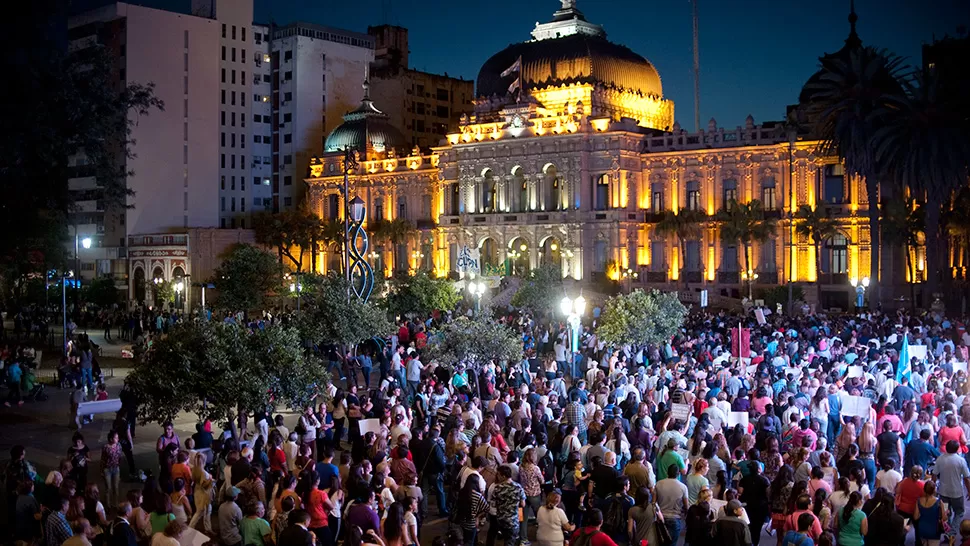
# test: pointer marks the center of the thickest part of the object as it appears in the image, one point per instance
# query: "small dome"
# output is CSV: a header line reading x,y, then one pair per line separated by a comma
x,y
576,58
367,130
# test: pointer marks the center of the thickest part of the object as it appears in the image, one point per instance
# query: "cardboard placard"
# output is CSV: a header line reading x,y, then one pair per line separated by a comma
x,y
370,425
738,418
680,412
760,315
855,371
959,366
918,352
855,406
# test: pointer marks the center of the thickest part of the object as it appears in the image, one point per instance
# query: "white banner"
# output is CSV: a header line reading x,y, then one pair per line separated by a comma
x,y
738,418
469,260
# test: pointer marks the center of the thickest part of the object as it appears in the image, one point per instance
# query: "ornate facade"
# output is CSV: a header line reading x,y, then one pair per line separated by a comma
x,y
557,172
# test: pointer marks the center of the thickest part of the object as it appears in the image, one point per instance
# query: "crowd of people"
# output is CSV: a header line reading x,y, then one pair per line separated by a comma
x,y
816,433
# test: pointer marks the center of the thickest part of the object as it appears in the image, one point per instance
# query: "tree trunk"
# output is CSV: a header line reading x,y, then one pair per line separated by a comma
x,y
313,256
912,278
818,260
875,284
932,266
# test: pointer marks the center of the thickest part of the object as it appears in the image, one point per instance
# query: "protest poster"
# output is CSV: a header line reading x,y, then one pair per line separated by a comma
x,y
855,406
918,352
738,418
680,412
855,371
370,425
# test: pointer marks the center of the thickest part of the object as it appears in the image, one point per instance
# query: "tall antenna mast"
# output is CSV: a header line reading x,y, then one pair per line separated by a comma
x,y
697,71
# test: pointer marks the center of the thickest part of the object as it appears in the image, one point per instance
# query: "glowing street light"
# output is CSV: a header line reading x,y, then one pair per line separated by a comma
x,y
860,290
574,310
477,289
750,276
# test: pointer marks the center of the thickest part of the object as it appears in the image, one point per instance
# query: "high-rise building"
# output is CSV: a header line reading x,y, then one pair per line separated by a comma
x,y
174,151
234,19
316,77
424,106
261,152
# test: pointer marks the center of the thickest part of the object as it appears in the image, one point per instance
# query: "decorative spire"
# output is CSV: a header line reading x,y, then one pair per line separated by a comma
x,y
366,84
853,40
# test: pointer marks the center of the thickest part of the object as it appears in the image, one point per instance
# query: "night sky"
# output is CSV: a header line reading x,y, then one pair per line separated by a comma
x,y
755,54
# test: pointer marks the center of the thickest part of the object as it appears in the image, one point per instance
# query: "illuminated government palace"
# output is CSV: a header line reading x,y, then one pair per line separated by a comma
x,y
569,158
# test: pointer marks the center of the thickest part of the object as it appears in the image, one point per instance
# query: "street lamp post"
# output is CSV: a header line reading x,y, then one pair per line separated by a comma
x,y
573,309
630,275
157,281
84,242
296,287
860,290
179,286
477,289
64,277
750,276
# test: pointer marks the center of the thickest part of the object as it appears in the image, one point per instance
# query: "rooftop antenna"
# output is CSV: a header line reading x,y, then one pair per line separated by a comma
x,y
697,70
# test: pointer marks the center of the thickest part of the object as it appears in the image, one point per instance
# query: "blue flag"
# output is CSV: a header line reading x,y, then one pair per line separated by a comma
x,y
903,369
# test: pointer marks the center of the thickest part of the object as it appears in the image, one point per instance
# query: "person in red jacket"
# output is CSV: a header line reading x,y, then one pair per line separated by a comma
x,y
590,534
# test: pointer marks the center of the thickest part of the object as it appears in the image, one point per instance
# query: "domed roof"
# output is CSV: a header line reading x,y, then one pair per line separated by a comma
x,y
366,129
852,43
576,58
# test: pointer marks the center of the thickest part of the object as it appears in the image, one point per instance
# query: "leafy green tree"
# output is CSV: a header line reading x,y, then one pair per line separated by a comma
x,y
420,294
214,369
246,277
292,233
816,225
641,317
164,292
102,292
686,225
332,314
542,290
474,342
58,104
744,224
844,105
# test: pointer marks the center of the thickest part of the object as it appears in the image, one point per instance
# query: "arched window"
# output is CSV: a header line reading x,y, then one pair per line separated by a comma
x,y
487,199
519,191
454,199
768,194
333,206
377,211
552,195
489,253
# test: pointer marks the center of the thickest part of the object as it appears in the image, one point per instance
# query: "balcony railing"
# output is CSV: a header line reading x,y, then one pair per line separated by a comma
x,y
694,276
656,276
728,277
768,277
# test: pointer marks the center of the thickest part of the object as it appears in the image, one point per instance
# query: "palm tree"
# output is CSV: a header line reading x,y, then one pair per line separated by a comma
x,y
815,225
686,225
924,144
745,223
844,104
956,223
902,225
394,232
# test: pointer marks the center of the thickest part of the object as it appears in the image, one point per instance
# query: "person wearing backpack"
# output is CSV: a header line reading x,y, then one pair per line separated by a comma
x,y
800,537
591,534
618,510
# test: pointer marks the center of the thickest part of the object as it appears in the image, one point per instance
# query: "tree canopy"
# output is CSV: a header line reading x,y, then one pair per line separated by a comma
x,y
329,316
542,290
641,317
474,342
214,369
421,294
246,277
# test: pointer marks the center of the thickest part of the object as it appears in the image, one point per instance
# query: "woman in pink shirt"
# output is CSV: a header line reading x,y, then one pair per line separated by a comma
x,y
760,401
891,417
818,482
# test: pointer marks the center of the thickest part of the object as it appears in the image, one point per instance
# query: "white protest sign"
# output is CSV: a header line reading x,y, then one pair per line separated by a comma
x,y
917,352
703,298
191,537
855,371
752,369
680,412
959,367
370,425
795,372
760,315
738,418
855,406
716,505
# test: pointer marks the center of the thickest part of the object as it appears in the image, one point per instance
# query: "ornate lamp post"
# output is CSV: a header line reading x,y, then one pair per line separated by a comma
x,y
750,276
360,273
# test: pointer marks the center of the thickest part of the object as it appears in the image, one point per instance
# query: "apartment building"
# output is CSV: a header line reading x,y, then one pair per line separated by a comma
x,y
316,77
424,106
